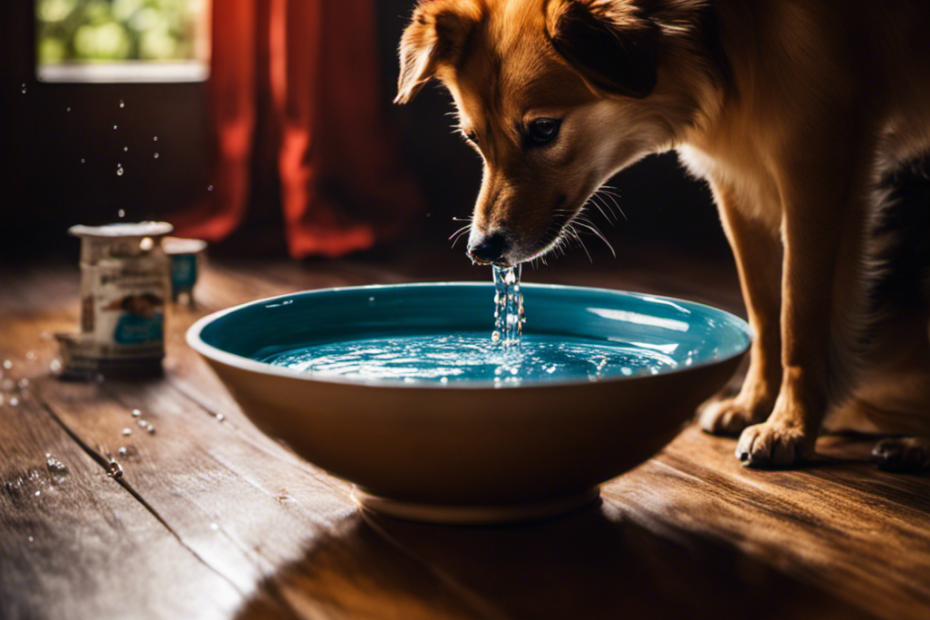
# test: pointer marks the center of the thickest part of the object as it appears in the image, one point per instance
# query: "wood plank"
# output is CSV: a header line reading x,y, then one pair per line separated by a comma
x,y
76,544
861,543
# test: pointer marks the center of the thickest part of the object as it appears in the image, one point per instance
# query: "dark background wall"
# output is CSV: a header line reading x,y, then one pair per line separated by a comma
x,y
46,187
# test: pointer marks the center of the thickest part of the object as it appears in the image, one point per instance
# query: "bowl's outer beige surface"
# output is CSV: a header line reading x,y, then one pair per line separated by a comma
x,y
475,446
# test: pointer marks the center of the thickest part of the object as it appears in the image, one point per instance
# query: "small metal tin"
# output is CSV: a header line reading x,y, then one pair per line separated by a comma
x,y
186,257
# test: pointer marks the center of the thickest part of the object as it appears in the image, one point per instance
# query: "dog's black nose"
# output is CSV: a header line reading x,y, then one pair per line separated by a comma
x,y
491,248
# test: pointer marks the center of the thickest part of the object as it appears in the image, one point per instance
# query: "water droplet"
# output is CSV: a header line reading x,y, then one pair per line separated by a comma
x,y
151,429
114,469
14,401
121,212
209,188
155,155
119,170
125,149
136,413
55,466
7,364
155,138
114,126
142,423
122,451
444,380
214,526
83,160
220,417
24,88
23,383
121,104
31,539
38,493
127,431
67,109
55,366
495,337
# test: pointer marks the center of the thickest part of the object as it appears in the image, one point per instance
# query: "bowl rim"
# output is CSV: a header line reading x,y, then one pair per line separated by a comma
x,y
194,340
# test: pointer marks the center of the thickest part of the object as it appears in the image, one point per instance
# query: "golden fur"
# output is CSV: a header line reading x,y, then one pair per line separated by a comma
x,y
792,110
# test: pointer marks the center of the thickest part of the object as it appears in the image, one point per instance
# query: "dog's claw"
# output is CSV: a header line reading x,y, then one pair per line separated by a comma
x,y
772,444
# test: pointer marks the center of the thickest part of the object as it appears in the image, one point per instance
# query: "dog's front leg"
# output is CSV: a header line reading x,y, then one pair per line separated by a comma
x,y
823,216
758,253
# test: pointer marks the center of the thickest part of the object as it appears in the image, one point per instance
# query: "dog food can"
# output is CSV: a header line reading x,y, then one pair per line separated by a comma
x,y
125,285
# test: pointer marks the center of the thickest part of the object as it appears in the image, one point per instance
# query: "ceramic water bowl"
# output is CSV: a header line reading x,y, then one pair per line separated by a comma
x,y
473,451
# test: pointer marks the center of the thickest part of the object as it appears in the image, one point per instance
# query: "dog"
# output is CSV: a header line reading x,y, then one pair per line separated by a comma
x,y
801,116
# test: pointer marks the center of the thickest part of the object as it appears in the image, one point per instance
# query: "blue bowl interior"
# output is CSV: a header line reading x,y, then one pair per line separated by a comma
x,y
684,332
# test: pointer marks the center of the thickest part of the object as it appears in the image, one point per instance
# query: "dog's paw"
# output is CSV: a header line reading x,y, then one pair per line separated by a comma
x,y
730,416
774,444
902,454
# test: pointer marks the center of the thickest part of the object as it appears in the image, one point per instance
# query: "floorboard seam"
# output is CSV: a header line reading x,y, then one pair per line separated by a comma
x,y
104,463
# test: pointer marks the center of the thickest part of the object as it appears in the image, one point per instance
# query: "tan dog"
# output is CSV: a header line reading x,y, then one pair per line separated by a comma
x,y
792,110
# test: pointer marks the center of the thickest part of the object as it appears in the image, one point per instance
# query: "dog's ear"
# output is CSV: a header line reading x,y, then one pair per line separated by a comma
x,y
610,43
434,38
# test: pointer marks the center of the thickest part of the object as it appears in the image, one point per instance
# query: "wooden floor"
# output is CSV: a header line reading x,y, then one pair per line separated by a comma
x,y
211,519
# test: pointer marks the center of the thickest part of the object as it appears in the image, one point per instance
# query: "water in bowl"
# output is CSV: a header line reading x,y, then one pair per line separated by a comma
x,y
472,357
507,358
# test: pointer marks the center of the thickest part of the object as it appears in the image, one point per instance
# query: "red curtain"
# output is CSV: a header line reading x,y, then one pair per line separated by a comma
x,y
343,187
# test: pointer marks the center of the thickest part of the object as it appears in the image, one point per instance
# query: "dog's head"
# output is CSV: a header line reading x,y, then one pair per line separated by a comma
x,y
555,95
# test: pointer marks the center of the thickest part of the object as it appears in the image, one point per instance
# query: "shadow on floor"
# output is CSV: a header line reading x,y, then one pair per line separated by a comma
x,y
593,563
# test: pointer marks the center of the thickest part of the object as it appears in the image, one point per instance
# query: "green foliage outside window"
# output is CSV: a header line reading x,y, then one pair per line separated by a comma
x,y
117,30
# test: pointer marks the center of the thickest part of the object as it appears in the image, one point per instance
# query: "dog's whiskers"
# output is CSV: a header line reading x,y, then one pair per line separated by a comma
x,y
458,234
573,233
589,226
606,191
597,201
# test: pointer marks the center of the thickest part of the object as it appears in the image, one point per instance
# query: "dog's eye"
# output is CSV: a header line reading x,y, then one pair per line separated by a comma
x,y
543,131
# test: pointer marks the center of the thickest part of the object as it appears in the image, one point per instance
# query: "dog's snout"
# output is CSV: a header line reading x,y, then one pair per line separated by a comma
x,y
489,249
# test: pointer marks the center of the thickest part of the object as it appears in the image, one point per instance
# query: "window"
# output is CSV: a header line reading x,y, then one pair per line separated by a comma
x,y
122,40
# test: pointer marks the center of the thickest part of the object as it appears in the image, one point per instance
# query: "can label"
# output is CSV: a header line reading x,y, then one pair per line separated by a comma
x,y
127,301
